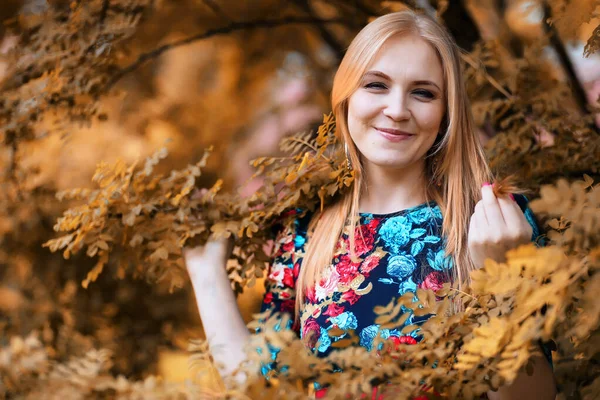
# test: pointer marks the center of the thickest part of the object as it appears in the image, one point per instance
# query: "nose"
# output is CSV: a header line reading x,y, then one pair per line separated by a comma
x,y
396,107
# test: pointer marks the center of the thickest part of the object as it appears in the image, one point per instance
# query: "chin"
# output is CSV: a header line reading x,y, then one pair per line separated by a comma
x,y
388,163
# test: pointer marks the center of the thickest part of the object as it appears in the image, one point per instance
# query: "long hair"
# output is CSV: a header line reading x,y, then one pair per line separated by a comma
x,y
461,166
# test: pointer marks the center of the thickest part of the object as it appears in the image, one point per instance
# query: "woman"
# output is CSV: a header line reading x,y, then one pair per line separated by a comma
x,y
403,117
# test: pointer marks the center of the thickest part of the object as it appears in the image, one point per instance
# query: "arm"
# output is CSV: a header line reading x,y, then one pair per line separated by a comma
x,y
225,329
280,296
498,225
223,324
540,385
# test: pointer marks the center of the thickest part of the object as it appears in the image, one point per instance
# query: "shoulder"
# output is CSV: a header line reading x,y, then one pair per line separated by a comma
x,y
291,228
537,235
522,201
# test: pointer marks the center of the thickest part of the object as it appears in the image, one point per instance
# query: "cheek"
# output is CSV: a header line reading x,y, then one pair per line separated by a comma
x,y
429,117
361,109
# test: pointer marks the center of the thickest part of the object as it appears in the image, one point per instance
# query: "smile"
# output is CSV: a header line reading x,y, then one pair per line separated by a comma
x,y
394,135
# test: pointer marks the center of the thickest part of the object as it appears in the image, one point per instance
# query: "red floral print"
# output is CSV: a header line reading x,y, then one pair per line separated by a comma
x,y
369,264
311,295
364,237
334,310
347,269
403,340
289,246
433,281
311,331
288,278
296,270
268,298
281,275
328,284
284,295
288,306
350,296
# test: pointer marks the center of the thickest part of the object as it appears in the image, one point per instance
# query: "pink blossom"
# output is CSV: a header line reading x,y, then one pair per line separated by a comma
x,y
369,264
327,284
347,269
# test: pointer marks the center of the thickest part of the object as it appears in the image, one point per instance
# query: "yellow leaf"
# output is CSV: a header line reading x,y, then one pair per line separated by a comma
x,y
159,254
96,271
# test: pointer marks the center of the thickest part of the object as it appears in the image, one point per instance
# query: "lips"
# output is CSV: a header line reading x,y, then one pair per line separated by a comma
x,y
394,135
394,131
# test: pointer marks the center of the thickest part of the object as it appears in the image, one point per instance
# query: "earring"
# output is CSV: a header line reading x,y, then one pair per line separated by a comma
x,y
348,160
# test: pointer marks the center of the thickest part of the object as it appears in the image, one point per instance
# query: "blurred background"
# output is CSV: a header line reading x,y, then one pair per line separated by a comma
x,y
241,91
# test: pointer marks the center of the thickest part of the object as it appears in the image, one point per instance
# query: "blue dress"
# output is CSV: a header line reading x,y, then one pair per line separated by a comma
x,y
396,254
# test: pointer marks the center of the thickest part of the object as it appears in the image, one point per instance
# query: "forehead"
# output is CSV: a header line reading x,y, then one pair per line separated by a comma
x,y
408,57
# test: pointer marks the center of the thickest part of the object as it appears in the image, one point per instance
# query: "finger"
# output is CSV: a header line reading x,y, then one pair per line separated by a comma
x,y
480,213
492,208
511,212
476,224
518,225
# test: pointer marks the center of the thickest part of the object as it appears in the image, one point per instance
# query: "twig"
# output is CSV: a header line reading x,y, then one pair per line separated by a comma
x,y
307,144
217,10
465,293
489,78
14,147
365,9
233,27
327,36
557,45
104,11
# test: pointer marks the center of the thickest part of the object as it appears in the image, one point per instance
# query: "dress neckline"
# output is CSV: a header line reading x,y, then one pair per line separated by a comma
x,y
430,203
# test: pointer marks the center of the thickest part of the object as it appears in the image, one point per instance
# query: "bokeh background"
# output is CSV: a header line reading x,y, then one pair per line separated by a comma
x,y
209,80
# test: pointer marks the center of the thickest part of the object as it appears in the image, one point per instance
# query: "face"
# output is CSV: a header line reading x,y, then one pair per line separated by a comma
x,y
395,114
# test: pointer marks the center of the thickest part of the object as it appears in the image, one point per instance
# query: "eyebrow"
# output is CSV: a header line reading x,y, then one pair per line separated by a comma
x,y
385,76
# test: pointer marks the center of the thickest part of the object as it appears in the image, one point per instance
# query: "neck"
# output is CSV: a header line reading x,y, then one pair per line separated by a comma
x,y
388,190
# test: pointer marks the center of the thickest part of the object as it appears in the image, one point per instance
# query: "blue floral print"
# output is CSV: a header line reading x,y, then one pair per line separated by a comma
x,y
407,286
438,260
420,216
299,241
398,253
367,335
401,266
395,232
324,340
345,321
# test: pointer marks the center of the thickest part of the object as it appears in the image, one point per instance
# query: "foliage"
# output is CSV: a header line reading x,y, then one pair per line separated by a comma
x,y
154,216
85,61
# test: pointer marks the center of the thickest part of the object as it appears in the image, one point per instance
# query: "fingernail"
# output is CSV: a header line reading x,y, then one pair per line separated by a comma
x,y
487,184
511,196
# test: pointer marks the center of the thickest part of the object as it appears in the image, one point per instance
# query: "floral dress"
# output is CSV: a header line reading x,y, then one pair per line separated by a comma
x,y
396,253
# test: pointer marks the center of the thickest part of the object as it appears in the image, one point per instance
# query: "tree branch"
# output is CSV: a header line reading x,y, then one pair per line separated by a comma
x,y
104,11
469,60
233,27
567,65
365,9
217,10
326,35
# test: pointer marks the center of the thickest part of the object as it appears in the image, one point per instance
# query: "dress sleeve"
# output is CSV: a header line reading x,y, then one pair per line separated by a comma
x,y
537,236
540,240
280,295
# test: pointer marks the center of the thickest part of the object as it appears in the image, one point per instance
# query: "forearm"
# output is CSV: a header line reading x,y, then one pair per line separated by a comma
x,y
540,385
223,324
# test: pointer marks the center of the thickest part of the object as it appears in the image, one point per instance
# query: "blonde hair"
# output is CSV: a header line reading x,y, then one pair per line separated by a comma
x,y
461,166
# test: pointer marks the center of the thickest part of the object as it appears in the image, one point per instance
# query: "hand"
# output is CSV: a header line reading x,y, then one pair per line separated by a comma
x,y
205,262
496,226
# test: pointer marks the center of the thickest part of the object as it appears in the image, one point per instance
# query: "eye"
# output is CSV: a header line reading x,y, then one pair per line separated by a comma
x,y
424,93
375,85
